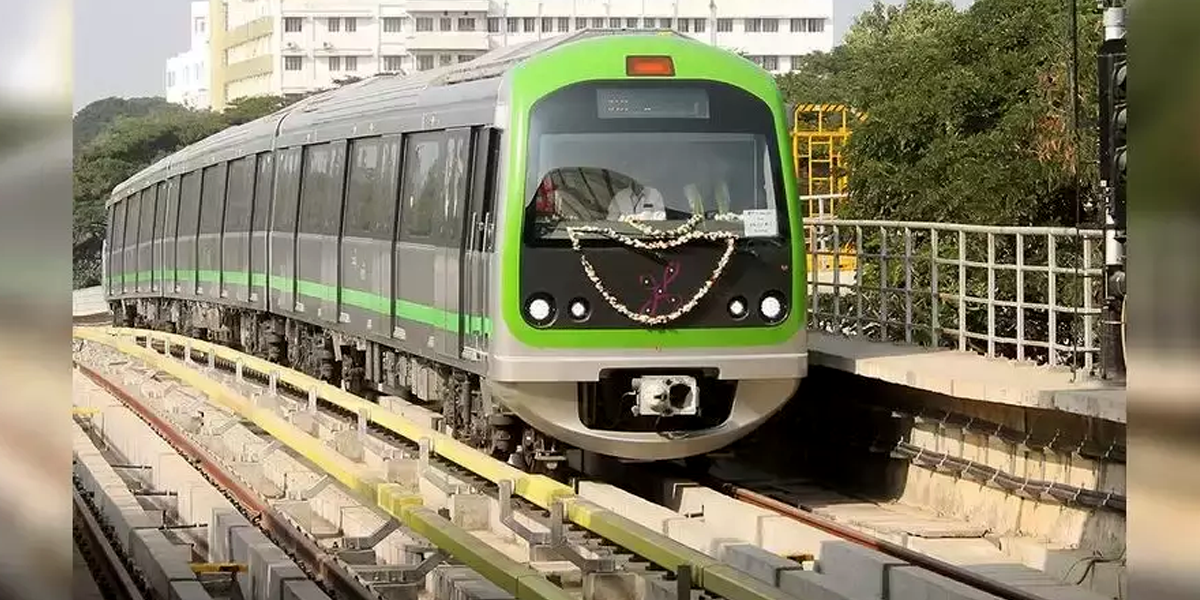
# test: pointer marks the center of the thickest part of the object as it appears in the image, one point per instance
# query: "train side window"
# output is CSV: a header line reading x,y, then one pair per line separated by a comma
x,y
112,229
458,155
319,199
131,223
262,190
160,211
239,195
118,244
146,228
361,185
287,199
483,180
424,183
212,207
189,204
171,231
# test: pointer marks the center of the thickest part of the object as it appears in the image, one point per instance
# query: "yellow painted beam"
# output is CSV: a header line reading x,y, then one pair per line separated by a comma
x,y
707,572
218,567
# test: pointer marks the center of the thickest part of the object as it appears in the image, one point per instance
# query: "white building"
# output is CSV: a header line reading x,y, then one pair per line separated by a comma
x,y
294,46
188,75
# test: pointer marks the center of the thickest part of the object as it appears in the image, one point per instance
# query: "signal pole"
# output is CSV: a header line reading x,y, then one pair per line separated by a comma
x,y
1112,62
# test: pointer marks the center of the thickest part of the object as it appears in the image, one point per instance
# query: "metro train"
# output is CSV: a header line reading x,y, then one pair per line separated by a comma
x,y
587,242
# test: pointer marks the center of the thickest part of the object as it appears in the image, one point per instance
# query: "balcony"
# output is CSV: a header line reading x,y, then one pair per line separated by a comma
x,y
448,40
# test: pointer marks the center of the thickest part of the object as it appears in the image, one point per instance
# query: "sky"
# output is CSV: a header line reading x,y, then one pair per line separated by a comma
x,y
121,46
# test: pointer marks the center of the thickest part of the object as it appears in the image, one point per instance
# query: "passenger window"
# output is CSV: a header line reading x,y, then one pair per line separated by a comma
x,y
288,194
457,176
371,191
424,183
213,205
172,227
131,220
119,235
238,201
263,184
160,210
320,202
189,204
146,228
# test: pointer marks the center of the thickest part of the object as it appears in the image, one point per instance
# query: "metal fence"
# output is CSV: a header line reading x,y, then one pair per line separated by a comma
x,y
1026,293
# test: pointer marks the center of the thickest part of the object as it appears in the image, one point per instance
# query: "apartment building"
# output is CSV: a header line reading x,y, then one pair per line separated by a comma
x,y
187,73
294,46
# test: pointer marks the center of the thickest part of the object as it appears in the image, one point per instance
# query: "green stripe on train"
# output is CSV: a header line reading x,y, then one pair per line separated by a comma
x,y
603,58
411,311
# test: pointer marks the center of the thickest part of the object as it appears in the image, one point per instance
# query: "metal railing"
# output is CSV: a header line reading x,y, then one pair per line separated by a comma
x,y
1026,293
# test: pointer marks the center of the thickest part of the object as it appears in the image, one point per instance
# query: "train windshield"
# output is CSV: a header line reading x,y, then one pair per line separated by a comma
x,y
659,153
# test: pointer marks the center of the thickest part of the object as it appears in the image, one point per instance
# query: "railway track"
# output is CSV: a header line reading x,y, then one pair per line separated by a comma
x,y
104,562
571,523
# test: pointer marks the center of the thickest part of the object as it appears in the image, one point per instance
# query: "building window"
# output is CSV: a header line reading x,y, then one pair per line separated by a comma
x,y
598,22
770,63
564,24
393,64
425,62
334,24
462,58
664,23
808,25
548,24
335,63
493,25
445,24
614,22
198,27
512,24
466,23
580,23
351,24
685,25
529,24
700,25
351,63
647,23
724,25
753,25
445,60
796,60
424,23
293,24
393,24
631,23
770,25
293,63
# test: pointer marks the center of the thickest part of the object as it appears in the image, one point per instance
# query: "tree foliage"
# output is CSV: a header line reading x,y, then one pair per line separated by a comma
x,y
969,114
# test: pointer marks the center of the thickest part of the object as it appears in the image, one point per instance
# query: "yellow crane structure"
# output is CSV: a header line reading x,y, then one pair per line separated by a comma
x,y
819,134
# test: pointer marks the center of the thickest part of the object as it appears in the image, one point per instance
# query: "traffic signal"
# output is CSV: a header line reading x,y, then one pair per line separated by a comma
x,y
1113,62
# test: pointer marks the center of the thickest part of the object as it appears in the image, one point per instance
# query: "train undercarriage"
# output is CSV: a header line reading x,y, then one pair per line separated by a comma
x,y
360,366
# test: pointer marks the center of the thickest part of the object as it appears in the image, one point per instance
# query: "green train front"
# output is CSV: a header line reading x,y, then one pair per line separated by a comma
x,y
650,289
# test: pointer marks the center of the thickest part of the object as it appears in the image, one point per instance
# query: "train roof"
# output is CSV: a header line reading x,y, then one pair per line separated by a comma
x,y
374,93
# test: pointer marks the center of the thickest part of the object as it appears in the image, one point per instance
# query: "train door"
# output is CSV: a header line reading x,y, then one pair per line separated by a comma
x,y
156,247
321,187
477,246
448,253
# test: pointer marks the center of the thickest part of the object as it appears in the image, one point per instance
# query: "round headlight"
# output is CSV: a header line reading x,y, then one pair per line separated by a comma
x,y
771,307
738,307
540,309
579,309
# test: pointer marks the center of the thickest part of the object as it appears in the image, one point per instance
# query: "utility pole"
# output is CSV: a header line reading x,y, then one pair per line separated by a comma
x,y
1112,62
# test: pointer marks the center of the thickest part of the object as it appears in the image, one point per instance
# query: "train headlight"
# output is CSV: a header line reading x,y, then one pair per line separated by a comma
x,y
738,307
772,307
579,309
540,309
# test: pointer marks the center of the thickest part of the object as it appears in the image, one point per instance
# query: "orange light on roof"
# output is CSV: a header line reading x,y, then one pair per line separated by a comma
x,y
649,66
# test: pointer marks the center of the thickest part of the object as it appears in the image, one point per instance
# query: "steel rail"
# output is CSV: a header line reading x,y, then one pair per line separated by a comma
x,y
258,512
706,572
943,568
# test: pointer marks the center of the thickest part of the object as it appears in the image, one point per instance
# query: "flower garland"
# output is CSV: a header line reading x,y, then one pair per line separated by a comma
x,y
660,240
